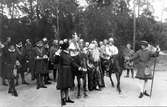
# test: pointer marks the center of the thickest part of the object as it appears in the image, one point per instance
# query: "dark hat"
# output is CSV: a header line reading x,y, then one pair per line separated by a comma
x,y
64,46
39,44
20,44
145,43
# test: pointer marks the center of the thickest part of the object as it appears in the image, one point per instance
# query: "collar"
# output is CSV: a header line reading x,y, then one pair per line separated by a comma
x,y
11,50
66,51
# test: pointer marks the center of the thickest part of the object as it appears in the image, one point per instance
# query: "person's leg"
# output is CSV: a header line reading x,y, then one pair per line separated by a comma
x,y
14,89
127,74
67,96
141,86
23,77
10,87
54,74
38,80
145,88
42,80
63,99
132,73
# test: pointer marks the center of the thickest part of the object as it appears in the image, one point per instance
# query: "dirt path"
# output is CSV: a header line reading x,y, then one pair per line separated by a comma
x,y
29,96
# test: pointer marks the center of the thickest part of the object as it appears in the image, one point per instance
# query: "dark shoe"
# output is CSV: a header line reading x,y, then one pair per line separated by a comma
x,y
15,93
141,95
85,94
17,83
43,86
38,87
9,91
69,101
49,79
63,102
145,93
26,83
4,83
127,76
48,83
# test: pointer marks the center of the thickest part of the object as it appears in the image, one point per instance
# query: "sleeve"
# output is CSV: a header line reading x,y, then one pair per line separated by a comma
x,y
115,51
75,65
135,56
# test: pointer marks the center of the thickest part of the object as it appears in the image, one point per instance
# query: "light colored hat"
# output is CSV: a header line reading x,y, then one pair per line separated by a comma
x,y
39,44
111,39
45,39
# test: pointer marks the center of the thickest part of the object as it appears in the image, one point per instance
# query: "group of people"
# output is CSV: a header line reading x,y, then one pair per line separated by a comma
x,y
66,59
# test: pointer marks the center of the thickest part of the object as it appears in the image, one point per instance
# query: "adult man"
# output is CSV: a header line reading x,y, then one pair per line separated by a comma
x,y
29,58
74,50
1,52
54,48
40,59
5,51
21,57
143,65
46,64
10,66
111,49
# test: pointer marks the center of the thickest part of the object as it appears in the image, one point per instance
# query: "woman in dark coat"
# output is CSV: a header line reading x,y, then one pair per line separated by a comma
x,y
65,75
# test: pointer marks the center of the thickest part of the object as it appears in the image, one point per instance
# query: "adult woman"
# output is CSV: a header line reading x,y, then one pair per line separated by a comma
x,y
143,65
65,75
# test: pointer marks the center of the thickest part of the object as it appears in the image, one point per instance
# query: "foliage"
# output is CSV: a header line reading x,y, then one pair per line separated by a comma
x,y
61,18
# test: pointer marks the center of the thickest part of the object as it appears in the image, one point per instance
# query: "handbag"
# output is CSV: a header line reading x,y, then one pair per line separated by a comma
x,y
148,71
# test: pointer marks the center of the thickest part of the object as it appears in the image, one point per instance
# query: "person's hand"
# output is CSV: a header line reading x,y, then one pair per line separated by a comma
x,y
80,68
158,48
18,63
37,57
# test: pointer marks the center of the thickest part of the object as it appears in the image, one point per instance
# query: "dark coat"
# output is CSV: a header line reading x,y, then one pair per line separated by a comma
x,y
144,60
9,63
41,64
1,52
127,54
22,59
65,74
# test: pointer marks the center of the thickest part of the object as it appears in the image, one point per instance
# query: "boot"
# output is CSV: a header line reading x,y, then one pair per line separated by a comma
x,y
24,82
63,102
145,93
15,93
47,82
4,83
43,86
38,87
69,100
141,95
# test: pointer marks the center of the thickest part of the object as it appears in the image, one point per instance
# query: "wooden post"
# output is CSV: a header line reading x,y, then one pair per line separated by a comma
x,y
134,26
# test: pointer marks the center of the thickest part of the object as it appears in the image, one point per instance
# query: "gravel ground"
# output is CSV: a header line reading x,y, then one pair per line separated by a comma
x,y
29,96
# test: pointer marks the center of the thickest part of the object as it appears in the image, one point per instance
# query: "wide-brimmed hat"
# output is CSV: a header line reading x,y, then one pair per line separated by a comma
x,y
111,39
39,44
20,44
145,43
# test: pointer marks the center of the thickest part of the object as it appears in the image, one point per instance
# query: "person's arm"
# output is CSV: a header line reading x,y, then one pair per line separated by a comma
x,y
134,56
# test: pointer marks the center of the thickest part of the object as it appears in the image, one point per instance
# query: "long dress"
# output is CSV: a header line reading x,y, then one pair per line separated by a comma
x,y
65,74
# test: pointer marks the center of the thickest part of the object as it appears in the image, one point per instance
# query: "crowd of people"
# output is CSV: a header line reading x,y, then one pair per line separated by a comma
x,y
62,60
